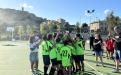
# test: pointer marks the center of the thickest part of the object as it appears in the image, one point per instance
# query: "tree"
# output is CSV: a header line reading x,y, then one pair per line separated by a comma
x,y
84,25
77,24
43,28
67,26
84,28
77,27
112,21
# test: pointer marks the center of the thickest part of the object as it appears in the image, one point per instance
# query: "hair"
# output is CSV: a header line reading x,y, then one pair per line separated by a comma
x,y
49,37
99,36
78,35
58,40
65,42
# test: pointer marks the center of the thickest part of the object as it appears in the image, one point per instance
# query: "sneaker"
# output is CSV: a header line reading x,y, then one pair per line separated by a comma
x,y
33,73
97,64
115,70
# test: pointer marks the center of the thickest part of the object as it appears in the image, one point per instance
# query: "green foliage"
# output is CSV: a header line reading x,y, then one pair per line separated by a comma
x,y
112,21
84,28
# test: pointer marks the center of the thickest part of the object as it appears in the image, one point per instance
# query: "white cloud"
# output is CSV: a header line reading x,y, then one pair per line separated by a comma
x,y
25,5
107,11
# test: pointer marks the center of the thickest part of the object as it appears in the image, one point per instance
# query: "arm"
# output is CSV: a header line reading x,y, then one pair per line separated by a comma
x,y
97,43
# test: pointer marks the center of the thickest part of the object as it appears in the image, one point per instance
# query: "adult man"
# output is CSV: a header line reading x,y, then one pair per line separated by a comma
x,y
91,43
34,41
117,47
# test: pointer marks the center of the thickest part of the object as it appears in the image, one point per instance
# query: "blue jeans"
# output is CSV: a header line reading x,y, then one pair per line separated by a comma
x,y
117,54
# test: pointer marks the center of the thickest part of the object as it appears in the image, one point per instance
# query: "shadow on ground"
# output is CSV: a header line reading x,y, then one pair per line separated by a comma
x,y
9,45
89,73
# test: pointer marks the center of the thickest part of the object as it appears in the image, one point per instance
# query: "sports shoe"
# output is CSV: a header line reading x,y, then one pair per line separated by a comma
x,y
115,70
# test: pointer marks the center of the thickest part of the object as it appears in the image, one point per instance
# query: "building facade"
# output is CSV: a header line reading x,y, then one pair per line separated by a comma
x,y
98,25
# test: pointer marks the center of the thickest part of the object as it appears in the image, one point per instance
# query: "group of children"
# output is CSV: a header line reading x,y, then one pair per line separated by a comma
x,y
66,54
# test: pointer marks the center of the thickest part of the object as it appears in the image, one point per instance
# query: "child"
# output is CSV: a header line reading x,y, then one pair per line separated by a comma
x,y
109,47
79,46
98,48
53,57
59,59
46,46
66,58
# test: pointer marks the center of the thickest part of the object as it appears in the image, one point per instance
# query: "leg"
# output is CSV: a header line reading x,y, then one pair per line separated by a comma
x,y
52,71
36,66
32,66
46,61
53,67
96,60
69,71
107,53
117,64
45,69
96,57
60,71
82,63
101,60
64,71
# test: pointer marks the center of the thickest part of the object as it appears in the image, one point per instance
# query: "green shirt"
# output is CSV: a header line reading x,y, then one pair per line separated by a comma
x,y
73,50
66,56
79,48
53,53
49,44
59,45
44,48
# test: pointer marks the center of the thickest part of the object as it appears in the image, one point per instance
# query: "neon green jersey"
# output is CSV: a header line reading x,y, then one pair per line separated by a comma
x,y
53,53
44,48
79,48
66,56
73,51
59,46
49,44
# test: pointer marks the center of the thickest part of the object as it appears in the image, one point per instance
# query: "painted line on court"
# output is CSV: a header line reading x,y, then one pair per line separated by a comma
x,y
94,69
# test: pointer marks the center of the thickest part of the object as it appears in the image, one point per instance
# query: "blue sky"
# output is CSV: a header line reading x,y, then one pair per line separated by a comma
x,y
70,10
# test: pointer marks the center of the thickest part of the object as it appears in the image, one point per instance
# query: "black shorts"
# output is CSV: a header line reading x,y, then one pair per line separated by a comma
x,y
79,58
59,62
46,59
74,57
54,62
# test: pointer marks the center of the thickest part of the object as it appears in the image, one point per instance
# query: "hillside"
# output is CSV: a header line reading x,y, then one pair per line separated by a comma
x,y
18,17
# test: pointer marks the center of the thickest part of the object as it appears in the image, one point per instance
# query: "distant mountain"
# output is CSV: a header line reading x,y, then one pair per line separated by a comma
x,y
18,17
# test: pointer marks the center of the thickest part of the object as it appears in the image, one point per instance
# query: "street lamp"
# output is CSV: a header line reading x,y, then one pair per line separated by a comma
x,y
89,13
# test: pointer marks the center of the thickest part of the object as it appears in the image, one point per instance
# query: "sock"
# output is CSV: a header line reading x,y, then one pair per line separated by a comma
x,y
45,70
52,71
60,72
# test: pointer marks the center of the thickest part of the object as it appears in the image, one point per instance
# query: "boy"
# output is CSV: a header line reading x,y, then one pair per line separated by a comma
x,y
66,58
59,59
79,46
46,47
53,57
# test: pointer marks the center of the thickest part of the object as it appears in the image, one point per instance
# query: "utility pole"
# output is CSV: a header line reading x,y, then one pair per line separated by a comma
x,y
90,12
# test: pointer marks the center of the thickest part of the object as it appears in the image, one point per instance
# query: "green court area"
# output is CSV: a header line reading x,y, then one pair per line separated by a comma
x,y
14,60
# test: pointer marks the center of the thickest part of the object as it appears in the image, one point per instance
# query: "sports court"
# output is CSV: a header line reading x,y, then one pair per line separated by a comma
x,y
14,60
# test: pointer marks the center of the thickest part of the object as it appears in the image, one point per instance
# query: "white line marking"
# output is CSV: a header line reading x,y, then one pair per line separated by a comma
x,y
94,69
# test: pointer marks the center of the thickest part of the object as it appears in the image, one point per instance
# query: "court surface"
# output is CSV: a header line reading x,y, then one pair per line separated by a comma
x,y
14,60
